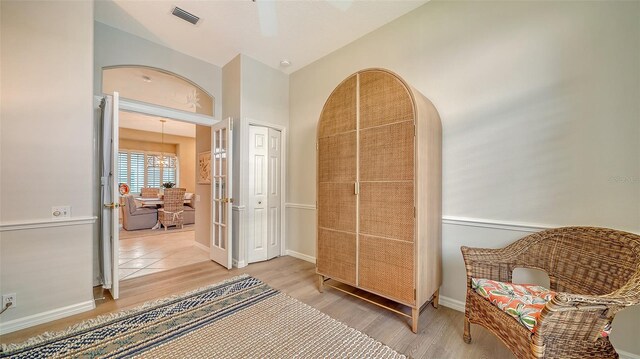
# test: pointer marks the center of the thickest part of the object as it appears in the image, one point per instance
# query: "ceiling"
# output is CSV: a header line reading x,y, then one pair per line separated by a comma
x,y
138,121
301,31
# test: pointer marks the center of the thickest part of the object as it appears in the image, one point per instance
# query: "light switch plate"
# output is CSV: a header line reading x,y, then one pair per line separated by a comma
x,y
197,198
59,212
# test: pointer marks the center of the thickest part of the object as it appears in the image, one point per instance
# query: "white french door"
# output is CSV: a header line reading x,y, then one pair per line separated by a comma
x,y
110,195
263,205
221,160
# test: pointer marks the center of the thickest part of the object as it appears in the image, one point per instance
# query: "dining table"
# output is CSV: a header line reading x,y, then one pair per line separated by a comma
x,y
153,202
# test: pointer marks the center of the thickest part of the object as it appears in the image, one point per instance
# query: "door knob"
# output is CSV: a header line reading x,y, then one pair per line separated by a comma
x,y
259,202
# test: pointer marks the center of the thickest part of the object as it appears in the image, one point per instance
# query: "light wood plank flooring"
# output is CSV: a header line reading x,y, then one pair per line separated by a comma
x,y
440,334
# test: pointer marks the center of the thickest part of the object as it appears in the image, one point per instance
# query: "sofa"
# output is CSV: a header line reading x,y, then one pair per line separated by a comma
x,y
189,214
134,217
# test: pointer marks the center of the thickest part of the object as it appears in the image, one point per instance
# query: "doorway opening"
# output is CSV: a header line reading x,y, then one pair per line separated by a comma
x,y
156,153
132,166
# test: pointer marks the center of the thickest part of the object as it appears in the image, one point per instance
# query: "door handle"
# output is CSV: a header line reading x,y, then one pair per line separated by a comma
x,y
112,205
227,200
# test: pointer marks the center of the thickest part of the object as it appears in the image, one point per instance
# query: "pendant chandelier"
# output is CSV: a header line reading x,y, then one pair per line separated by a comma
x,y
163,160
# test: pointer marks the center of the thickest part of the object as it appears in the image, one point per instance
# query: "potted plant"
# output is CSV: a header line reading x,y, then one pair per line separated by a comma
x,y
168,185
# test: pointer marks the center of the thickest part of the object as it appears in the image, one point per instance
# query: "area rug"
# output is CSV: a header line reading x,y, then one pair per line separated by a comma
x,y
239,318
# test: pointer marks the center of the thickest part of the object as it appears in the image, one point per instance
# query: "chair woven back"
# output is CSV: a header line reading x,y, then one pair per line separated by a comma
x,y
149,192
582,260
174,199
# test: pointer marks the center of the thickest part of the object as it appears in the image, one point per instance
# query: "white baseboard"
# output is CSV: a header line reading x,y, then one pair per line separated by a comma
x,y
240,264
30,321
298,255
201,246
627,355
451,303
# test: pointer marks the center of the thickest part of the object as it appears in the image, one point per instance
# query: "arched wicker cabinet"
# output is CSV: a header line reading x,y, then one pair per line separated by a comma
x,y
379,186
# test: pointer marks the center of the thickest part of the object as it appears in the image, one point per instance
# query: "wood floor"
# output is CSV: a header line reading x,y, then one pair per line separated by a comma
x,y
440,330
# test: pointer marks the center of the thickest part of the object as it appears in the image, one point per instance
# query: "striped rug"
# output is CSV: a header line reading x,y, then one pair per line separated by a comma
x,y
239,318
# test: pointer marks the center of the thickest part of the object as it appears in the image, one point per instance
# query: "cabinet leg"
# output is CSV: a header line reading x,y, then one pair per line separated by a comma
x,y
320,283
436,298
415,313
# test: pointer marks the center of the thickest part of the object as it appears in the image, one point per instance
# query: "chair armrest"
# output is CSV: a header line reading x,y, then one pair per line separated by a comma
x,y
494,264
577,316
565,301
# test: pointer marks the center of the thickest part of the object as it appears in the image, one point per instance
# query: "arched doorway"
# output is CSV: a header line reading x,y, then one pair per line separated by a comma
x,y
156,89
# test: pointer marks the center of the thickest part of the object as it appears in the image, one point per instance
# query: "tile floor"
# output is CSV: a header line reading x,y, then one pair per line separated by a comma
x,y
154,253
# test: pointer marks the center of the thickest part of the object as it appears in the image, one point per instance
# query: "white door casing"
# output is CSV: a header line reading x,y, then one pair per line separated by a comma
x,y
263,204
221,190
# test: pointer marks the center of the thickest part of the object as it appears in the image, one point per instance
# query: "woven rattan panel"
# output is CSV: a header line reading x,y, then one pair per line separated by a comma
x,y
337,158
386,267
337,255
386,209
383,99
339,112
575,267
391,161
337,206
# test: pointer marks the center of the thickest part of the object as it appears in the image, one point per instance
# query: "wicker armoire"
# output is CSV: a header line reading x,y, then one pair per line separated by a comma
x,y
379,181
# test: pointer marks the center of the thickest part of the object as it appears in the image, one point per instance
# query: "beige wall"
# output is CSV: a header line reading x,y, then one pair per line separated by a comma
x,y
540,119
203,191
183,147
46,156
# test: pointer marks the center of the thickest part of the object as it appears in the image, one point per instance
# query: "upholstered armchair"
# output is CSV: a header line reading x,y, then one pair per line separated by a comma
x,y
594,273
189,208
172,212
134,217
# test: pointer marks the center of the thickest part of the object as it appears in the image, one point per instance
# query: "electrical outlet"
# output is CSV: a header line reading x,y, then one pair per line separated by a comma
x,y
9,298
58,212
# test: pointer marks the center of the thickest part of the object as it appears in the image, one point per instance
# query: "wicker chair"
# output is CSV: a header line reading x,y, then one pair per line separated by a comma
x,y
595,272
172,212
149,192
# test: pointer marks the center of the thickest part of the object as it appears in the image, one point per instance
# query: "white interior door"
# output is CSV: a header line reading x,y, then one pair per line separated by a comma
x,y
273,201
221,160
257,215
110,196
263,205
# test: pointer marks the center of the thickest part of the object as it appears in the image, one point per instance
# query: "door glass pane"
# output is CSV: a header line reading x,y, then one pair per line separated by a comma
x,y
216,235
223,213
223,139
223,186
223,163
223,237
216,191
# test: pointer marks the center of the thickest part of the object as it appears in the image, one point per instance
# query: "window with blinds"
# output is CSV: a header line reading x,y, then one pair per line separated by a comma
x,y
141,169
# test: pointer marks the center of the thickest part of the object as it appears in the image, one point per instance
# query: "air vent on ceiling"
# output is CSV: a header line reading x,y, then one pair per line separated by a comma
x,y
184,15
